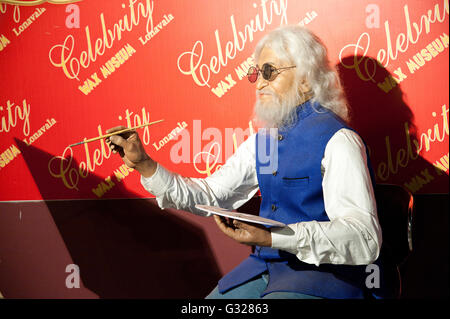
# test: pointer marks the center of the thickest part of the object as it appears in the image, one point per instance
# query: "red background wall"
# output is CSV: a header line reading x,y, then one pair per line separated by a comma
x,y
79,205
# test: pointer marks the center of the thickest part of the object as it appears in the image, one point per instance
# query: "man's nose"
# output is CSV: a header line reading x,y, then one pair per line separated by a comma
x,y
261,83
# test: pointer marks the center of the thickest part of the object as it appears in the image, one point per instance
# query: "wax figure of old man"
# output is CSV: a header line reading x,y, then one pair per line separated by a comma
x,y
318,181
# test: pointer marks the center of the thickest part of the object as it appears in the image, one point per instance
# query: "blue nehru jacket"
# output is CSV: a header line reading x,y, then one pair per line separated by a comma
x,y
291,192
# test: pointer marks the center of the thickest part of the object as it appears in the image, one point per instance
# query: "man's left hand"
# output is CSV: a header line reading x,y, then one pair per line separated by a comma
x,y
245,233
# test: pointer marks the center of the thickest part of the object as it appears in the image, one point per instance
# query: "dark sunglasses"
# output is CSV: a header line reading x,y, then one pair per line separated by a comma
x,y
268,71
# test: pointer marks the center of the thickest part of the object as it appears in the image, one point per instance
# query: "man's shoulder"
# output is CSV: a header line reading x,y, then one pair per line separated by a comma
x,y
346,139
247,146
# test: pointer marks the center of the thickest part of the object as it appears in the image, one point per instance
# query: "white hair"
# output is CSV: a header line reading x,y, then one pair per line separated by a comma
x,y
300,47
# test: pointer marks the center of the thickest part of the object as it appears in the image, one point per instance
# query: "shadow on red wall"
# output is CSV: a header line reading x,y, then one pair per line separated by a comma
x,y
381,115
124,248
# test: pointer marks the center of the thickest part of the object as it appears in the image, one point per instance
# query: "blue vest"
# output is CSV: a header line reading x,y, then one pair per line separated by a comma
x,y
291,192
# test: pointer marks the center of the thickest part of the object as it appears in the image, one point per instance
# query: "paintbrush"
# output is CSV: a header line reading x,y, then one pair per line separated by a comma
x,y
115,133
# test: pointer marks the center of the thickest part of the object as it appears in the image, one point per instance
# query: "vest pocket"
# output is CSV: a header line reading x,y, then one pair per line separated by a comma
x,y
299,182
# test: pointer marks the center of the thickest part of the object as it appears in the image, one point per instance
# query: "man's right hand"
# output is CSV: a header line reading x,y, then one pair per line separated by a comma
x,y
130,148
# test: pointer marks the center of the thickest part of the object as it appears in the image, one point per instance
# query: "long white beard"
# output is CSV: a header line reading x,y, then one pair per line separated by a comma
x,y
279,111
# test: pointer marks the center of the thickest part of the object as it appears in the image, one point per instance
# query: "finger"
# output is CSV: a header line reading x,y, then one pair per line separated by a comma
x,y
115,129
130,135
222,226
228,221
111,146
219,221
118,140
247,226
116,149
242,225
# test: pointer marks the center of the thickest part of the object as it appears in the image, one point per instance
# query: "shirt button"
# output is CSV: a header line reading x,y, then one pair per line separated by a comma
x,y
274,207
274,173
280,137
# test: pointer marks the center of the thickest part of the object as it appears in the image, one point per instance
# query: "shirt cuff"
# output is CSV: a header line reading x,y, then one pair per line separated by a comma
x,y
285,238
158,183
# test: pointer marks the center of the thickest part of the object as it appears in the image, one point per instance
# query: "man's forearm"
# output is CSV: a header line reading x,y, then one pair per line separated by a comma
x,y
341,241
146,168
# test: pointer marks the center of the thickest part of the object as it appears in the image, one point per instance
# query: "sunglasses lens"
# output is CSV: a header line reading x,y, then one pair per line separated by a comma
x,y
252,74
267,71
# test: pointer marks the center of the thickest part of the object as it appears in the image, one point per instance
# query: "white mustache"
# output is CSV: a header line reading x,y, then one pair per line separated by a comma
x,y
266,91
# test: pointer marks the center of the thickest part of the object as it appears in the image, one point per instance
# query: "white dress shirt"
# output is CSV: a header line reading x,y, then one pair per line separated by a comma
x,y
353,234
